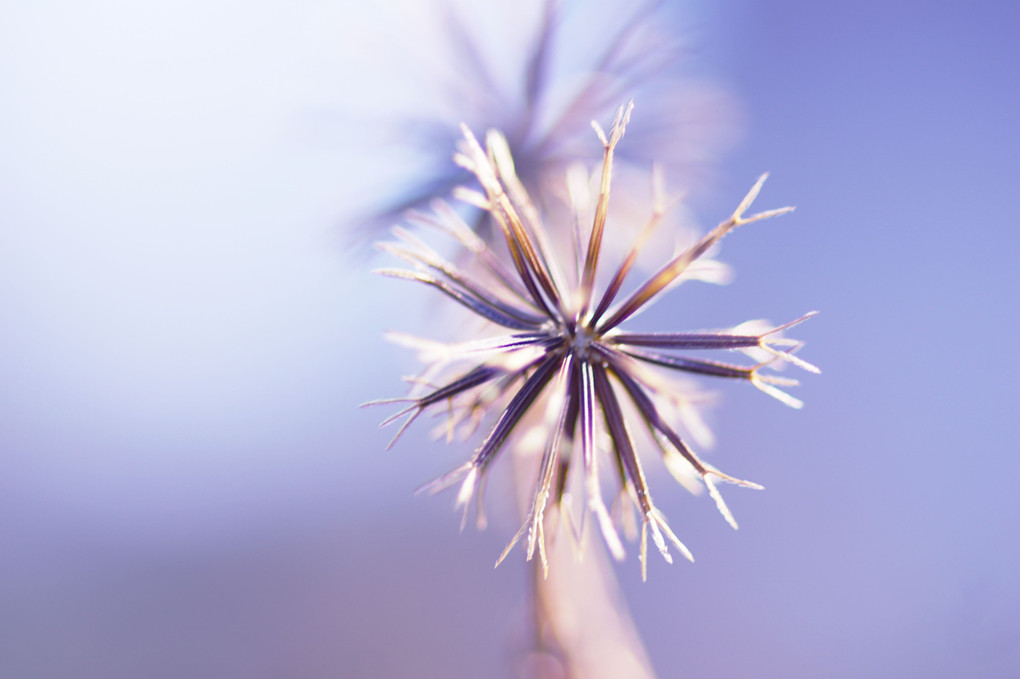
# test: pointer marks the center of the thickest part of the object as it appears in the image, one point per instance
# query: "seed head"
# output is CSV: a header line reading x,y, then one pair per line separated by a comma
x,y
560,351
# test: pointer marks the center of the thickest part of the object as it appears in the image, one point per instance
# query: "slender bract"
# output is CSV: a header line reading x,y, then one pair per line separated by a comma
x,y
559,360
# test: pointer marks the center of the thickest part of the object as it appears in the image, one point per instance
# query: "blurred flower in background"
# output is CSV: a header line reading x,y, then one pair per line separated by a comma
x,y
541,71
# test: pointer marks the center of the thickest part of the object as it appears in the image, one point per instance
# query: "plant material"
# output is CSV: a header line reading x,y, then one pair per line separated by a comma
x,y
544,96
561,351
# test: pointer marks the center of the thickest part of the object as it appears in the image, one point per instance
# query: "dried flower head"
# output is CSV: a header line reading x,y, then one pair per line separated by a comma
x,y
561,352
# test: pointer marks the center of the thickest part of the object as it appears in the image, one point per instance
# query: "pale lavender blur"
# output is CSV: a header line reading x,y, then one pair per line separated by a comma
x,y
187,488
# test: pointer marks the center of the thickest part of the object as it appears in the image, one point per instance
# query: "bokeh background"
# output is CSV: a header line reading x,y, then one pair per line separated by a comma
x,y
188,489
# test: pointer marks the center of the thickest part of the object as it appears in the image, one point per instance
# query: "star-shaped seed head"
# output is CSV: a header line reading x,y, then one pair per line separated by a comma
x,y
559,360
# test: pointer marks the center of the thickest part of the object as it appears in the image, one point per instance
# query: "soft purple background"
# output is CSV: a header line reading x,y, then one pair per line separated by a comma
x,y
187,489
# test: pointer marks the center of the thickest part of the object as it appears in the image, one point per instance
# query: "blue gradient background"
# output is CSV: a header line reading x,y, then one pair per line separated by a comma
x,y
187,488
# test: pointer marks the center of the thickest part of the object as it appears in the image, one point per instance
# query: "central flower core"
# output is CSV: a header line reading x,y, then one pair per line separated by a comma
x,y
580,339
